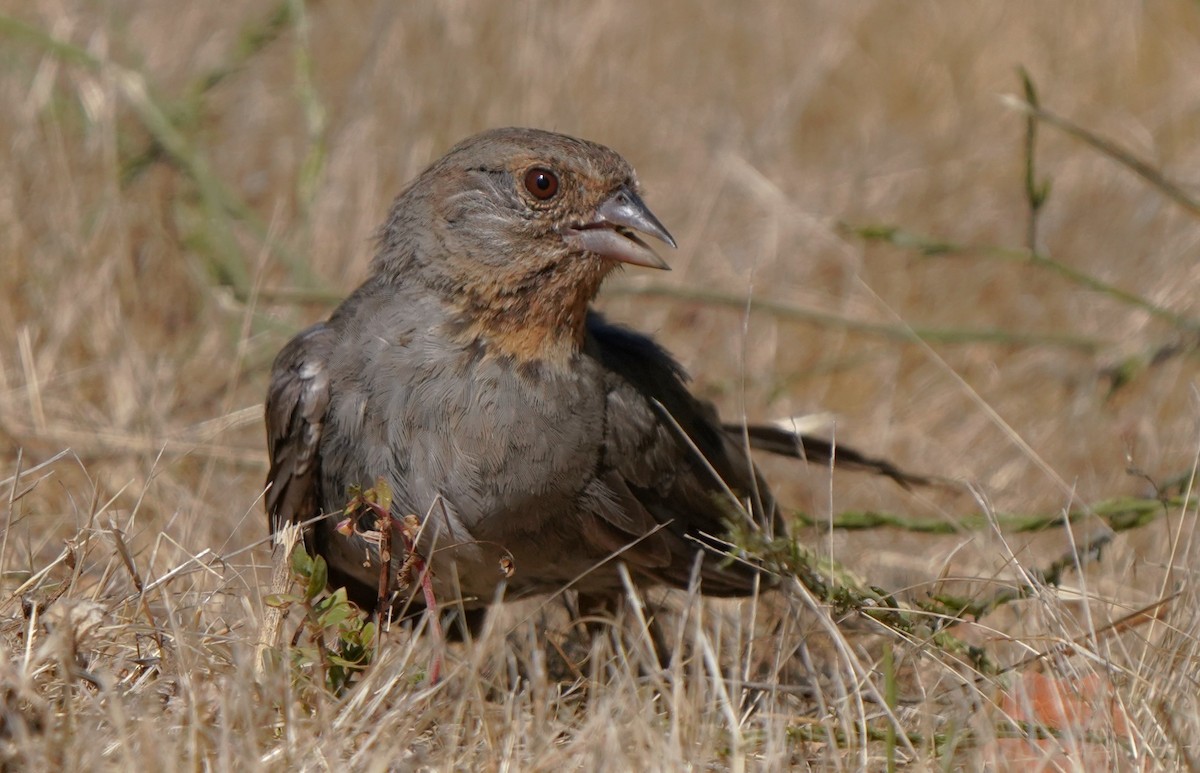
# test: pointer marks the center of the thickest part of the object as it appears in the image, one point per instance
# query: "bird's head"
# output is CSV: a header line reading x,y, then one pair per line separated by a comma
x,y
520,227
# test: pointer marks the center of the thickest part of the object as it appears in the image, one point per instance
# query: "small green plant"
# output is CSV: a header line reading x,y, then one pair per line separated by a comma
x,y
340,638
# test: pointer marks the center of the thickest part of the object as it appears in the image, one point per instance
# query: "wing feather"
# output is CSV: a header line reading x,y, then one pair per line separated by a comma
x,y
681,469
297,400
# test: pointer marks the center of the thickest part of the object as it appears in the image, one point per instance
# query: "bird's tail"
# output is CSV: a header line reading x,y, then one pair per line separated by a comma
x,y
776,440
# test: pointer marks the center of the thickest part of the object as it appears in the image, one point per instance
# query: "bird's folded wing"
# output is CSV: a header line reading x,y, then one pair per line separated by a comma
x,y
619,523
674,458
295,412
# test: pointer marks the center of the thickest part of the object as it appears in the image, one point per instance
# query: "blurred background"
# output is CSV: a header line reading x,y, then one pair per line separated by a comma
x,y
185,185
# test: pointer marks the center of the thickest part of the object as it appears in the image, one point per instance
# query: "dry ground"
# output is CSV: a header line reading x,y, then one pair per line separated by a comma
x,y
184,183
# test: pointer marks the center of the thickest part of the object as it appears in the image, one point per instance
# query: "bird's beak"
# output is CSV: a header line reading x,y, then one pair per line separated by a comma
x,y
613,231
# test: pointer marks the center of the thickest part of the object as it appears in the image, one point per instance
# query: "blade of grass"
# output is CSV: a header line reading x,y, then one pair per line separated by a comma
x,y
1036,193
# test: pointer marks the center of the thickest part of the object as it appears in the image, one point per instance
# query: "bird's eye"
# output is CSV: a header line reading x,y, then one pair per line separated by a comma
x,y
541,182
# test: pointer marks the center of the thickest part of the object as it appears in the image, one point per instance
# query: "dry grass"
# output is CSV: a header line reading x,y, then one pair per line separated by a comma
x,y
152,226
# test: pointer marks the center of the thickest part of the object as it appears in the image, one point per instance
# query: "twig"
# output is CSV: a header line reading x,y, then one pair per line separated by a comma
x,y
930,246
891,332
1109,148
1121,513
378,500
958,607
832,584
383,602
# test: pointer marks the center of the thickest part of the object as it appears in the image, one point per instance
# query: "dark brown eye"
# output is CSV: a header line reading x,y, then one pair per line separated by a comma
x,y
541,182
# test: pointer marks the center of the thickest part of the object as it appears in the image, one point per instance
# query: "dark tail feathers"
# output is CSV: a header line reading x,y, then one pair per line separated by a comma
x,y
820,451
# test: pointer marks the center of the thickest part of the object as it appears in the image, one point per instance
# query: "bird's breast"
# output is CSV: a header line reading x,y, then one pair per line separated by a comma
x,y
489,435
496,453
529,435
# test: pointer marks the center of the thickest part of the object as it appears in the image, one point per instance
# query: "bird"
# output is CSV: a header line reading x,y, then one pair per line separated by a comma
x,y
538,445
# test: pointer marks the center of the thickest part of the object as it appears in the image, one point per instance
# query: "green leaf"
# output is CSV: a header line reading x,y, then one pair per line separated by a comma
x,y
317,579
281,600
335,615
333,599
301,562
338,660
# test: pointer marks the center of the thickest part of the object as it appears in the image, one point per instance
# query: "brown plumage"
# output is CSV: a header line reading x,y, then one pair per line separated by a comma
x,y
470,374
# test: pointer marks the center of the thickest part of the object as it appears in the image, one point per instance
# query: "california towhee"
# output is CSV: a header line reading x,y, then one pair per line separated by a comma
x,y
469,373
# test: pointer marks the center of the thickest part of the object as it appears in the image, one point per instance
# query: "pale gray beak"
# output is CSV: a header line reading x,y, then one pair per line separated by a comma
x,y
613,232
